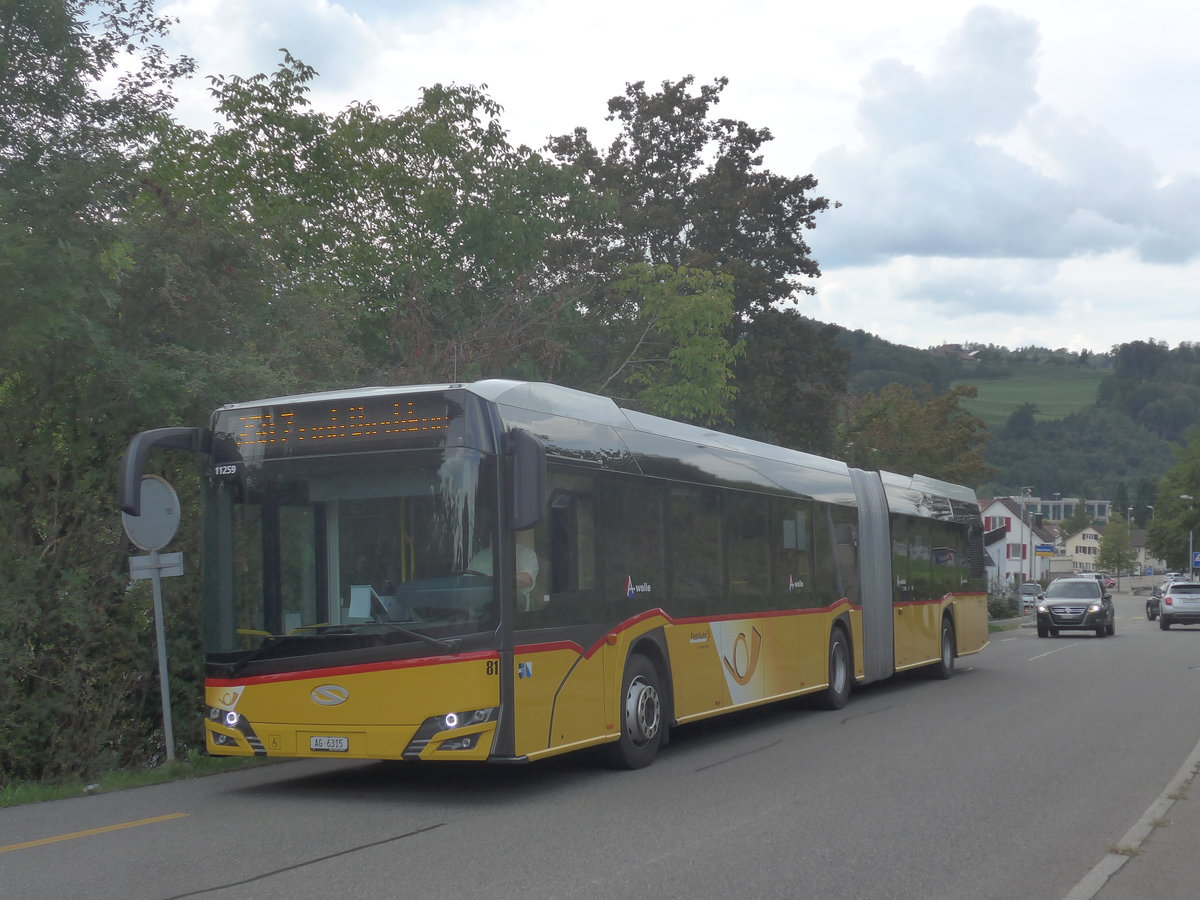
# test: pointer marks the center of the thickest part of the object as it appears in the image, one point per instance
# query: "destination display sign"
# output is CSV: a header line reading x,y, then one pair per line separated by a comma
x,y
360,423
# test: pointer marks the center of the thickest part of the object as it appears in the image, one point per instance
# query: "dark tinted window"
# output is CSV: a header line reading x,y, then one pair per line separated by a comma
x,y
695,543
1073,590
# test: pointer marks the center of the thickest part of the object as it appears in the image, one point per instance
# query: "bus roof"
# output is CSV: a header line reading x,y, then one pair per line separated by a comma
x,y
557,400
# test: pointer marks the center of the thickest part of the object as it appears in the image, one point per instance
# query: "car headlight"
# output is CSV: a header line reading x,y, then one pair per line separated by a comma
x,y
1095,607
1042,608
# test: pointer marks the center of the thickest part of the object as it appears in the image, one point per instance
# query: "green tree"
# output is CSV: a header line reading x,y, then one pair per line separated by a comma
x,y
126,309
679,364
677,187
1116,553
1086,454
427,224
791,381
1120,499
1021,422
1144,499
691,191
1176,520
73,664
897,430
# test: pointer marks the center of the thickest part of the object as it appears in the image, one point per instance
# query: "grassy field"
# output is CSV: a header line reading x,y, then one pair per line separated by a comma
x,y
1055,390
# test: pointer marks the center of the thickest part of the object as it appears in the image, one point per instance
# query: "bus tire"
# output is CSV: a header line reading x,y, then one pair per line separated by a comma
x,y
641,716
944,667
841,677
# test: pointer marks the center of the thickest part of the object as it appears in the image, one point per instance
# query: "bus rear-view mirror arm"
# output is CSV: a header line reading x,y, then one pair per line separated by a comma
x,y
129,488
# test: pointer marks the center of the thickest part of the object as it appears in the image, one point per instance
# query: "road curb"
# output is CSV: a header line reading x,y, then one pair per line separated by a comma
x,y
1129,845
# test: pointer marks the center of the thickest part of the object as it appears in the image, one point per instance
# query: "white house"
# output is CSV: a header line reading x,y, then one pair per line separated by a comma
x,y
1083,547
1146,561
1015,558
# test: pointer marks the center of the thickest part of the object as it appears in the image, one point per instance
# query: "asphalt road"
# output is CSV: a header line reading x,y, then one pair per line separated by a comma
x,y
1012,779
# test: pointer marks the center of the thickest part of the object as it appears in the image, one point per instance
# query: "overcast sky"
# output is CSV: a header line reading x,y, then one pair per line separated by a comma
x,y
1019,173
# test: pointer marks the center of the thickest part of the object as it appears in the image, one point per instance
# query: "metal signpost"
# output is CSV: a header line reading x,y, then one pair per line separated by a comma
x,y
151,531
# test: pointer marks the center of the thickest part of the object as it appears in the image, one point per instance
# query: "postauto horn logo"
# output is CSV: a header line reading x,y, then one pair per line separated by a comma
x,y
329,694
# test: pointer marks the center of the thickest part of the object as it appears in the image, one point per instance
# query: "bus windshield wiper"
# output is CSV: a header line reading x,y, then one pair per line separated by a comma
x,y
448,645
270,642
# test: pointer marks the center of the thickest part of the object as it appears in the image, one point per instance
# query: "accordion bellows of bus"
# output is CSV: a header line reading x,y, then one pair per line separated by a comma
x,y
506,571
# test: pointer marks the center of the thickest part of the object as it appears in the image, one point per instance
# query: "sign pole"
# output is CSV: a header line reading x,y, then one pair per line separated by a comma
x,y
152,530
164,685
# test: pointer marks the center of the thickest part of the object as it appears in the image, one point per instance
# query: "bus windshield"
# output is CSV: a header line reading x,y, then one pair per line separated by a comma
x,y
350,551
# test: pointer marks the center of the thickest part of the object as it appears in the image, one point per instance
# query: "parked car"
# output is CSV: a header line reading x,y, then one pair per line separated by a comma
x,y
1031,594
1154,600
1105,581
1180,604
1077,604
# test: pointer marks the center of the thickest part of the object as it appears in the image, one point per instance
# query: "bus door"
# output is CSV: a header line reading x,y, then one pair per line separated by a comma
x,y
904,611
875,575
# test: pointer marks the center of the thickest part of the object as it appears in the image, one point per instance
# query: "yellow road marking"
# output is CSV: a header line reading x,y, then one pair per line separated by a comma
x,y
91,831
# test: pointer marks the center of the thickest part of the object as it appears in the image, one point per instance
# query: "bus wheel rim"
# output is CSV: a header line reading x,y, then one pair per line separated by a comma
x,y
841,669
643,711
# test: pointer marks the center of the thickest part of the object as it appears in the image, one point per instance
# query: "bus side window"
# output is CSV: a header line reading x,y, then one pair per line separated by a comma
x,y
795,576
695,554
566,547
564,543
845,540
747,526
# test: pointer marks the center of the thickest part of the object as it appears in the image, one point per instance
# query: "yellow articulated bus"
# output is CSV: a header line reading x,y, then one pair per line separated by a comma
x,y
507,571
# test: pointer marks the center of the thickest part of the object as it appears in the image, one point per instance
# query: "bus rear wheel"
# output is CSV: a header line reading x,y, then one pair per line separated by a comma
x,y
837,694
944,667
642,723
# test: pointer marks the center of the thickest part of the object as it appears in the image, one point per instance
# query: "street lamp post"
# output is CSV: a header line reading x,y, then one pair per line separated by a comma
x,y
1189,498
1129,530
1027,541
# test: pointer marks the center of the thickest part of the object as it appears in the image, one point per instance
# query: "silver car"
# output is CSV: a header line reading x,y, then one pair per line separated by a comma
x,y
1180,604
1031,594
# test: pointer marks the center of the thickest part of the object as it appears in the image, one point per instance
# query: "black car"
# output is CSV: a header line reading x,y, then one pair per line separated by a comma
x,y
1152,604
1076,604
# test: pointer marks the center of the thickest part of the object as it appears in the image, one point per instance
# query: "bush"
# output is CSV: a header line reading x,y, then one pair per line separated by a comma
x,y
1002,606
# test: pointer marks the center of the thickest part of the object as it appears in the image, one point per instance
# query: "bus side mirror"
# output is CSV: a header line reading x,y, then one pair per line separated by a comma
x,y
529,479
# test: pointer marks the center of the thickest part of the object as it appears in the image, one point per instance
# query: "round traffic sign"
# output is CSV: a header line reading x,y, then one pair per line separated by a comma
x,y
159,521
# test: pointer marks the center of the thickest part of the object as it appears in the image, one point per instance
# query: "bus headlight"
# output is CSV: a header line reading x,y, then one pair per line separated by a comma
x,y
451,721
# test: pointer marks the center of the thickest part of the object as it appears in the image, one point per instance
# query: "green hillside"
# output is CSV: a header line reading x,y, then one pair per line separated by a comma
x,y
1056,391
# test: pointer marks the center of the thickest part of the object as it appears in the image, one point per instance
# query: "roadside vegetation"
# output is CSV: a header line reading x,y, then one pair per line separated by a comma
x,y
195,764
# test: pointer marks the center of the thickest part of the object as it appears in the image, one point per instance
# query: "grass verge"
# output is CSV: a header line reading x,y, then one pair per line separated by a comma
x,y
195,765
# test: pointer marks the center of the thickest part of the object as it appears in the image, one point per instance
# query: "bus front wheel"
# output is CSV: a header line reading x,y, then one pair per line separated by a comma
x,y
837,694
642,723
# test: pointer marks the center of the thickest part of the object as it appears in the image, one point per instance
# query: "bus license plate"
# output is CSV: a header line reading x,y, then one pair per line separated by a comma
x,y
329,744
